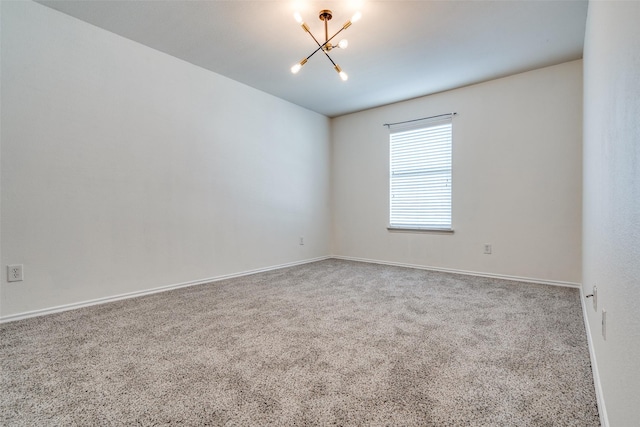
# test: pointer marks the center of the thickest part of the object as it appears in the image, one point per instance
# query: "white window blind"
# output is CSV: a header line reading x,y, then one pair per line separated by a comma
x,y
420,174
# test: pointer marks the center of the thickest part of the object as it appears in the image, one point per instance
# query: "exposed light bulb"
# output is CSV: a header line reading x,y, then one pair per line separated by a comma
x,y
342,74
299,65
355,18
343,44
297,17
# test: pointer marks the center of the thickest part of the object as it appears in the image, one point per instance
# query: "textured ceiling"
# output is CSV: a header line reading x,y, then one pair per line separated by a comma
x,y
398,50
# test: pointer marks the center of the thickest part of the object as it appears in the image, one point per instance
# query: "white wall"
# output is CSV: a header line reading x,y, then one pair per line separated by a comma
x,y
125,169
516,179
612,201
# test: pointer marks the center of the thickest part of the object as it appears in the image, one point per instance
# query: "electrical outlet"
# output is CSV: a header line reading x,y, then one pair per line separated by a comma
x,y
487,248
595,298
302,240
604,324
15,273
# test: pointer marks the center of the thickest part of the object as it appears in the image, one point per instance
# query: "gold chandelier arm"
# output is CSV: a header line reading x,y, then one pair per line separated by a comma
x,y
334,36
334,64
321,46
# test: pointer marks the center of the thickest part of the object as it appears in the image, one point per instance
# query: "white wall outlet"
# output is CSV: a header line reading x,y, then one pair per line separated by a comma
x,y
15,273
604,324
595,298
302,240
487,248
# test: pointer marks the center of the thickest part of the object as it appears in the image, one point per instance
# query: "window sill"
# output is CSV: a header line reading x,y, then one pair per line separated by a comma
x,y
420,230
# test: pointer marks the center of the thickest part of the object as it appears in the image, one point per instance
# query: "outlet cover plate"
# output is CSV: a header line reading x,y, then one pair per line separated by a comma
x,y
15,273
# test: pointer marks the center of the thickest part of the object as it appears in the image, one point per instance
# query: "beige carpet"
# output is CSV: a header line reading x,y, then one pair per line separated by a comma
x,y
328,343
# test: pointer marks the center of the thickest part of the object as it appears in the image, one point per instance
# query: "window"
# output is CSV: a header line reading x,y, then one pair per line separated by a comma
x,y
420,174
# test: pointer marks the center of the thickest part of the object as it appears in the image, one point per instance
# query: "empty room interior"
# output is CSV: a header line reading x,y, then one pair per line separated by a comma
x,y
223,213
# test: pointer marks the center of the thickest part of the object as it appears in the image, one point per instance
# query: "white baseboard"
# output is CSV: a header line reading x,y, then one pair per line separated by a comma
x,y
602,410
466,272
104,300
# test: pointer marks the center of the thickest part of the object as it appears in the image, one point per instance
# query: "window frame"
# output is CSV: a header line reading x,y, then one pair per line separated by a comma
x,y
430,167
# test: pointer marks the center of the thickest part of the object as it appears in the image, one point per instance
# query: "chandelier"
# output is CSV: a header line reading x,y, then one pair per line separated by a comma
x,y
326,47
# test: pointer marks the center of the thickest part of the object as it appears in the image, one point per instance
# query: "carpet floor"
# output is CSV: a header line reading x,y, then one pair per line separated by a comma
x,y
328,343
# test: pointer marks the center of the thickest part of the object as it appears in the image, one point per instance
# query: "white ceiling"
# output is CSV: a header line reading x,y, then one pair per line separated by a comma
x,y
398,50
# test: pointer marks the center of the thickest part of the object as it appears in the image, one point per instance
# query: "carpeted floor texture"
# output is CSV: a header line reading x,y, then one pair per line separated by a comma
x,y
327,343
